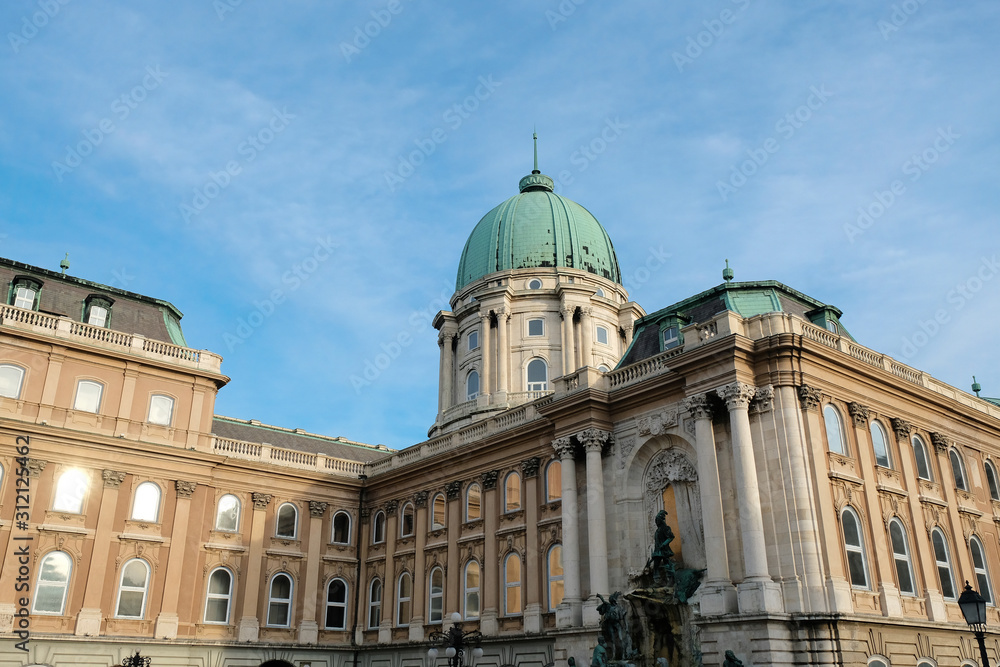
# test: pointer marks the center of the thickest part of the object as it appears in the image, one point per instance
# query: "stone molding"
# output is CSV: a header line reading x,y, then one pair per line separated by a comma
x,y
317,509
453,490
809,397
737,395
112,478
185,489
529,467
860,413
260,500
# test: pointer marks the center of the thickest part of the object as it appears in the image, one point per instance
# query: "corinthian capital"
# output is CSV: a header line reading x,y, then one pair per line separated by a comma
x,y
809,397
737,395
563,447
859,413
593,439
698,406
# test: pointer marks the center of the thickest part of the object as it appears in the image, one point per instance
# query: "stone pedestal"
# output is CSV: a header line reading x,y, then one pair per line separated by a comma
x,y
308,632
488,623
568,614
248,629
591,619
533,618
385,632
416,629
88,624
717,598
759,595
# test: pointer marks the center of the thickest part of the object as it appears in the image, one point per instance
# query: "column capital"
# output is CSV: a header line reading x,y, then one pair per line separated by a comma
x,y
529,467
593,439
502,312
737,395
809,397
699,406
317,509
563,447
901,428
112,478
940,442
443,337
489,479
420,499
586,311
185,489
391,507
35,467
260,500
453,490
763,399
567,312
366,513
860,414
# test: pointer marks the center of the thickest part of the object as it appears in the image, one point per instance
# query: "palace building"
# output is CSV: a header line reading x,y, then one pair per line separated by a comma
x,y
836,498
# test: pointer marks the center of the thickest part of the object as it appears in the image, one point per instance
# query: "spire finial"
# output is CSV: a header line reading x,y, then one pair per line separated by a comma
x,y
976,387
727,273
534,136
64,264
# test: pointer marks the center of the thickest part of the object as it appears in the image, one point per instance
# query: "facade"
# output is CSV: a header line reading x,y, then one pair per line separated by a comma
x,y
835,498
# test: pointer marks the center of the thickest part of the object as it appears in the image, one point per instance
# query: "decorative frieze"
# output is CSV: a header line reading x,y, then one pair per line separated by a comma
x,y
809,397
859,413
737,395
420,499
901,428
113,478
453,490
317,509
185,489
658,422
260,500
940,442
625,447
489,479
529,467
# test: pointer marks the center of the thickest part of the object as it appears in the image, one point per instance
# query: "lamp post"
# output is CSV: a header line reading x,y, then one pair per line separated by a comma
x,y
135,661
455,642
974,609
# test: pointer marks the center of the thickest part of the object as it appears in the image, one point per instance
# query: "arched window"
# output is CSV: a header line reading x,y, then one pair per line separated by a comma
x,y
473,339
24,293
88,396
834,429
287,523
943,561
920,456
901,556
473,502
878,662
161,410
97,310
854,545
436,610
406,523
879,445
979,566
341,528
536,327
404,598
336,605
602,335
52,583
512,585
11,379
599,292
438,512
146,504
279,601
553,481
219,596
132,589
70,492
538,375
958,470
512,493
991,480
554,574
227,515
472,386
471,590
375,604
378,528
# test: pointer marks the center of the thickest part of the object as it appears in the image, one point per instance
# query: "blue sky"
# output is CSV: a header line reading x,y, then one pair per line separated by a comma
x,y
299,178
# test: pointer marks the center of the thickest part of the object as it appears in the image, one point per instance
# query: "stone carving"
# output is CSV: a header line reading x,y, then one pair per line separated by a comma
x,y
625,447
489,479
112,478
763,400
530,466
670,465
901,428
317,509
420,499
658,422
390,507
689,427
940,442
453,490
698,406
366,513
35,467
860,414
563,447
809,397
593,439
710,330
260,500
737,395
185,489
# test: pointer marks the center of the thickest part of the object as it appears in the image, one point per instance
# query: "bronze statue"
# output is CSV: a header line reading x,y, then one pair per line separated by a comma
x,y
663,555
614,627
600,658
731,660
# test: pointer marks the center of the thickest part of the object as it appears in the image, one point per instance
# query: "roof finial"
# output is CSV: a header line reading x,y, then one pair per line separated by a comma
x,y
976,387
534,135
727,273
64,264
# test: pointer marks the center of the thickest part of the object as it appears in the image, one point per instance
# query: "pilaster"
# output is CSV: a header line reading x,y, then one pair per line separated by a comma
x,y
88,621
249,625
569,613
167,621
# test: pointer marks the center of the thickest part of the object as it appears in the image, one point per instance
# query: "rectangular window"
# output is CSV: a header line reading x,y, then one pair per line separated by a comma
x,y
24,297
473,340
161,410
670,338
602,335
98,316
536,327
88,396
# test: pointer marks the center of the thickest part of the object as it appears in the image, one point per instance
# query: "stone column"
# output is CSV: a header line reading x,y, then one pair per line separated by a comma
x,y
18,539
446,398
486,375
488,623
249,626
167,621
389,585
569,614
313,592
363,583
418,603
453,491
569,354
757,592
535,560
718,593
593,441
88,621
586,337
503,353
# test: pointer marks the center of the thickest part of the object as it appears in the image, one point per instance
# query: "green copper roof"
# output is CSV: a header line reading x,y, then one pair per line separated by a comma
x,y
537,228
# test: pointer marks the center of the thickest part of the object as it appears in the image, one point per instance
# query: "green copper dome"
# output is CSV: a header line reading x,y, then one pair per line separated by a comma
x,y
537,228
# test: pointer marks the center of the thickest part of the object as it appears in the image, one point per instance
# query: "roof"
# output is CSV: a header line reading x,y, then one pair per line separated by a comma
x,y
537,228
251,430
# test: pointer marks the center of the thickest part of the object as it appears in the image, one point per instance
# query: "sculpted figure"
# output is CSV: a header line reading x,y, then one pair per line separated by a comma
x,y
731,660
614,626
663,555
600,658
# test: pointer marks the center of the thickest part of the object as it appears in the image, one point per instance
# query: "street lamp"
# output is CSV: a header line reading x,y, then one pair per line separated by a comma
x,y
974,609
455,642
135,661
